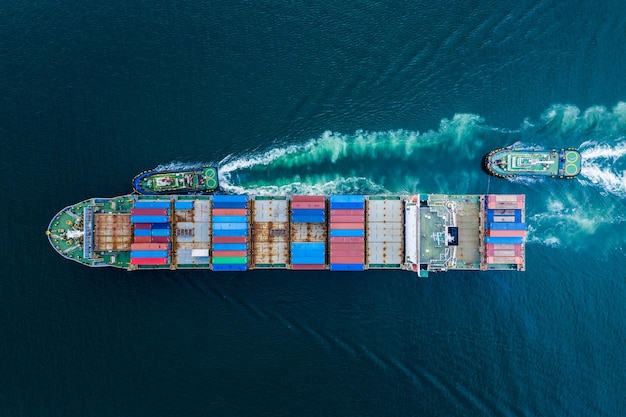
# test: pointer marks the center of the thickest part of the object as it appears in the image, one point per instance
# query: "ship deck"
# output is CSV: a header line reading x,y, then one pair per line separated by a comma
x,y
424,233
554,163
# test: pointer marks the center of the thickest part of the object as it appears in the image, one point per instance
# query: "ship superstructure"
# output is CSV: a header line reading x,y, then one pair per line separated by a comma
x,y
421,233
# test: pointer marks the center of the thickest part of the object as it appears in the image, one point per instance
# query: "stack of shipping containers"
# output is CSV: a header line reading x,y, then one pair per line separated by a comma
x,y
385,232
505,230
151,241
270,232
230,232
193,234
308,232
347,232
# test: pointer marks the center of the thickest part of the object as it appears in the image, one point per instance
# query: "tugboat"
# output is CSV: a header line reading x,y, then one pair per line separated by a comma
x,y
514,162
197,180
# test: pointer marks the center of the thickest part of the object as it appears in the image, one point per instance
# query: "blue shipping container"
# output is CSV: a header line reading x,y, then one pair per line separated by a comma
x,y
347,205
230,226
347,233
231,205
347,198
230,246
308,260
142,232
152,204
230,219
226,198
149,253
161,226
230,267
307,212
506,226
160,232
183,205
307,219
498,239
149,219
308,246
226,232
347,267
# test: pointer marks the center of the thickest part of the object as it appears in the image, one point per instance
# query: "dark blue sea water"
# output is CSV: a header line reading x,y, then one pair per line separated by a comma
x,y
327,96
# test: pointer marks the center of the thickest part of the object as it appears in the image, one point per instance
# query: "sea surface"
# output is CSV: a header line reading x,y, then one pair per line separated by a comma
x,y
314,97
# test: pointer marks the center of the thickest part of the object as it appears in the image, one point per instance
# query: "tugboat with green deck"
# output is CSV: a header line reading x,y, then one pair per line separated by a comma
x,y
197,180
514,162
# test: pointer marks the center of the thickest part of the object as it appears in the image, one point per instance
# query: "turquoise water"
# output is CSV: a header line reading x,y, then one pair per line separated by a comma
x,y
359,97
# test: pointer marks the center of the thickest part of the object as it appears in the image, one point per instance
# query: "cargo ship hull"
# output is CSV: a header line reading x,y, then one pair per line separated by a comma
x,y
512,162
420,233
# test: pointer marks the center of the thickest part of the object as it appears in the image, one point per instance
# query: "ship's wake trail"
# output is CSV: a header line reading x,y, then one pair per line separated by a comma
x,y
365,162
604,166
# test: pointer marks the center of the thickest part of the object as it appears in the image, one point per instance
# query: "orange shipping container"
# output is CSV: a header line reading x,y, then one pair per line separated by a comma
x,y
346,239
347,219
148,246
308,205
229,212
346,226
347,212
228,253
300,198
346,259
305,267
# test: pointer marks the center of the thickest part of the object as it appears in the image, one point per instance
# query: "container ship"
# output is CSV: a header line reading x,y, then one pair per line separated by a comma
x,y
421,233
513,162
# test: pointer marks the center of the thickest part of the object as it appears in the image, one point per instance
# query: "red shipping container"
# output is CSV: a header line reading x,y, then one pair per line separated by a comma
x,y
303,267
347,239
227,253
230,239
230,212
347,219
342,253
500,253
148,261
514,251
143,225
148,246
300,198
148,212
506,233
504,260
308,205
346,226
160,239
334,246
347,212
346,259
504,246
142,239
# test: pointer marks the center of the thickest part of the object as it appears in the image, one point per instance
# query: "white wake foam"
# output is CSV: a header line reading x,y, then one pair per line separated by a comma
x,y
601,164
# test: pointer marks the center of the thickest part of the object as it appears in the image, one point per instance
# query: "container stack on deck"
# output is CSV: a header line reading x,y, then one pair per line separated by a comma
x,y
193,233
230,232
270,232
385,232
152,233
308,232
505,230
347,232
